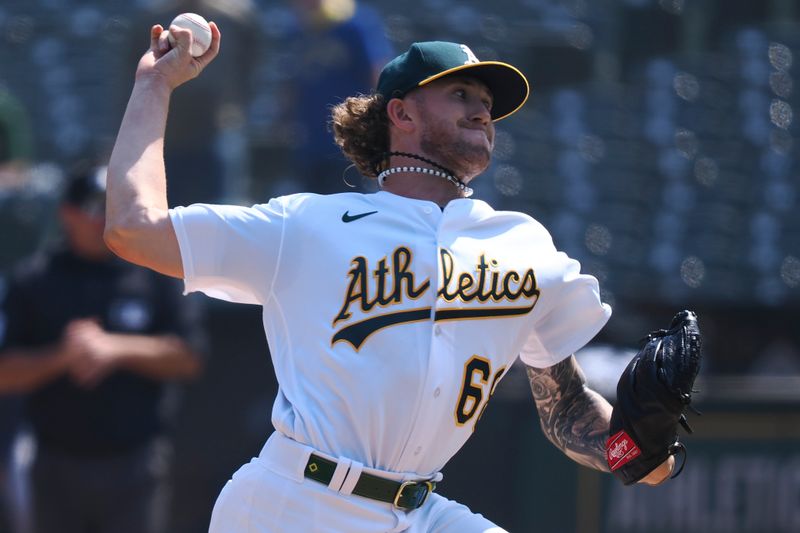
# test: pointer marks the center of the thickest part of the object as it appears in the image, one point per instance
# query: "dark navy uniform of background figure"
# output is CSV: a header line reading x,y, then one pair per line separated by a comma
x,y
92,341
337,51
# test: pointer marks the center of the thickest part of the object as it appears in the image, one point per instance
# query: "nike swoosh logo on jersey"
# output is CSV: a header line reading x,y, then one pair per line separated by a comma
x,y
347,217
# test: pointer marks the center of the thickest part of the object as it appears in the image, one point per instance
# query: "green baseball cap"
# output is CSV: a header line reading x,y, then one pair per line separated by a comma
x,y
428,61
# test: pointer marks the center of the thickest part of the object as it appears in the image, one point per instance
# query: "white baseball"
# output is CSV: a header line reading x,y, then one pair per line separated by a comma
x,y
201,32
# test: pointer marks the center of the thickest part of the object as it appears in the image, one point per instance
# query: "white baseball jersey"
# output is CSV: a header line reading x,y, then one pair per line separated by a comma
x,y
389,320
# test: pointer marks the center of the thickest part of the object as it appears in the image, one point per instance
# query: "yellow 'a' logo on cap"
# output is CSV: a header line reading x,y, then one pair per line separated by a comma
x,y
470,56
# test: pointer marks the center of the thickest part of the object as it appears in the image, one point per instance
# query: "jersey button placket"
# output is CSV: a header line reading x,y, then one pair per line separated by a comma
x,y
427,417
441,348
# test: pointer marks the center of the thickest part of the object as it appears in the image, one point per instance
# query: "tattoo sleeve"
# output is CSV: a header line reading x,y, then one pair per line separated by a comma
x,y
573,417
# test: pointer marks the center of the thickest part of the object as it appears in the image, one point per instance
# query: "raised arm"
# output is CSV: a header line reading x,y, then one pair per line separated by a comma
x,y
575,418
138,227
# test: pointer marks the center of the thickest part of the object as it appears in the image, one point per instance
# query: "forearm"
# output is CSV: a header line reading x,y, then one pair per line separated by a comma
x,y
23,371
136,175
573,417
138,228
157,357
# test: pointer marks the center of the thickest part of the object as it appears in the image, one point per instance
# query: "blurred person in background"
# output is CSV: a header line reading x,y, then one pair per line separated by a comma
x,y
92,342
337,50
16,149
16,155
207,123
16,143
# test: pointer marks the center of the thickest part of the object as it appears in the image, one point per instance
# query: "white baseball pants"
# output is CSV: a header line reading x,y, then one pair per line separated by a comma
x,y
270,495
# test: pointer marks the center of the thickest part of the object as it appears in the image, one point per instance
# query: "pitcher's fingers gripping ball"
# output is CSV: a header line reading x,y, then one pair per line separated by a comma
x,y
201,32
652,394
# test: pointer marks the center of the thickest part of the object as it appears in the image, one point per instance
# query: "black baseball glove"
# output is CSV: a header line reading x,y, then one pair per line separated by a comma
x,y
652,395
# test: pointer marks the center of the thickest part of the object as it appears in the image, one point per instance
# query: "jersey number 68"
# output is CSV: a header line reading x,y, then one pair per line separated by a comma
x,y
474,387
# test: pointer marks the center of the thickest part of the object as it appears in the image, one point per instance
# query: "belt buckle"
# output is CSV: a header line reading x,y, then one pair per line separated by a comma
x,y
428,487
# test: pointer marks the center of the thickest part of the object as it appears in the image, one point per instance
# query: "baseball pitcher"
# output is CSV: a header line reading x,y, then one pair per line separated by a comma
x,y
390,317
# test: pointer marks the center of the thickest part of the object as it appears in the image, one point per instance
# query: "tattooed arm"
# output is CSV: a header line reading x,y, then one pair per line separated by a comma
x,y
575,418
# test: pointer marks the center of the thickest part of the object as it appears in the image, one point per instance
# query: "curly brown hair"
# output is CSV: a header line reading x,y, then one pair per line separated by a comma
x,y
361,129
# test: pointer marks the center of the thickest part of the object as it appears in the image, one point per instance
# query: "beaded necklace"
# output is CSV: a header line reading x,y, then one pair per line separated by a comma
x,y
439,171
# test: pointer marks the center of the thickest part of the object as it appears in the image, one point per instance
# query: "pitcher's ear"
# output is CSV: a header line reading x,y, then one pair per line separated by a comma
x,y
398,113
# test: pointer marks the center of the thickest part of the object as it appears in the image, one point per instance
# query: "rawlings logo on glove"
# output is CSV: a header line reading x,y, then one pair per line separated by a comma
x,y
620,450
652,394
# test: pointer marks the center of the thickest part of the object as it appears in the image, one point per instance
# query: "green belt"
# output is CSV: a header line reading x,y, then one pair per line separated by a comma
x,y
408,495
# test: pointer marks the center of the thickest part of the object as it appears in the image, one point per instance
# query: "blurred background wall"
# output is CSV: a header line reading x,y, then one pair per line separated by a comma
x,y
657,147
